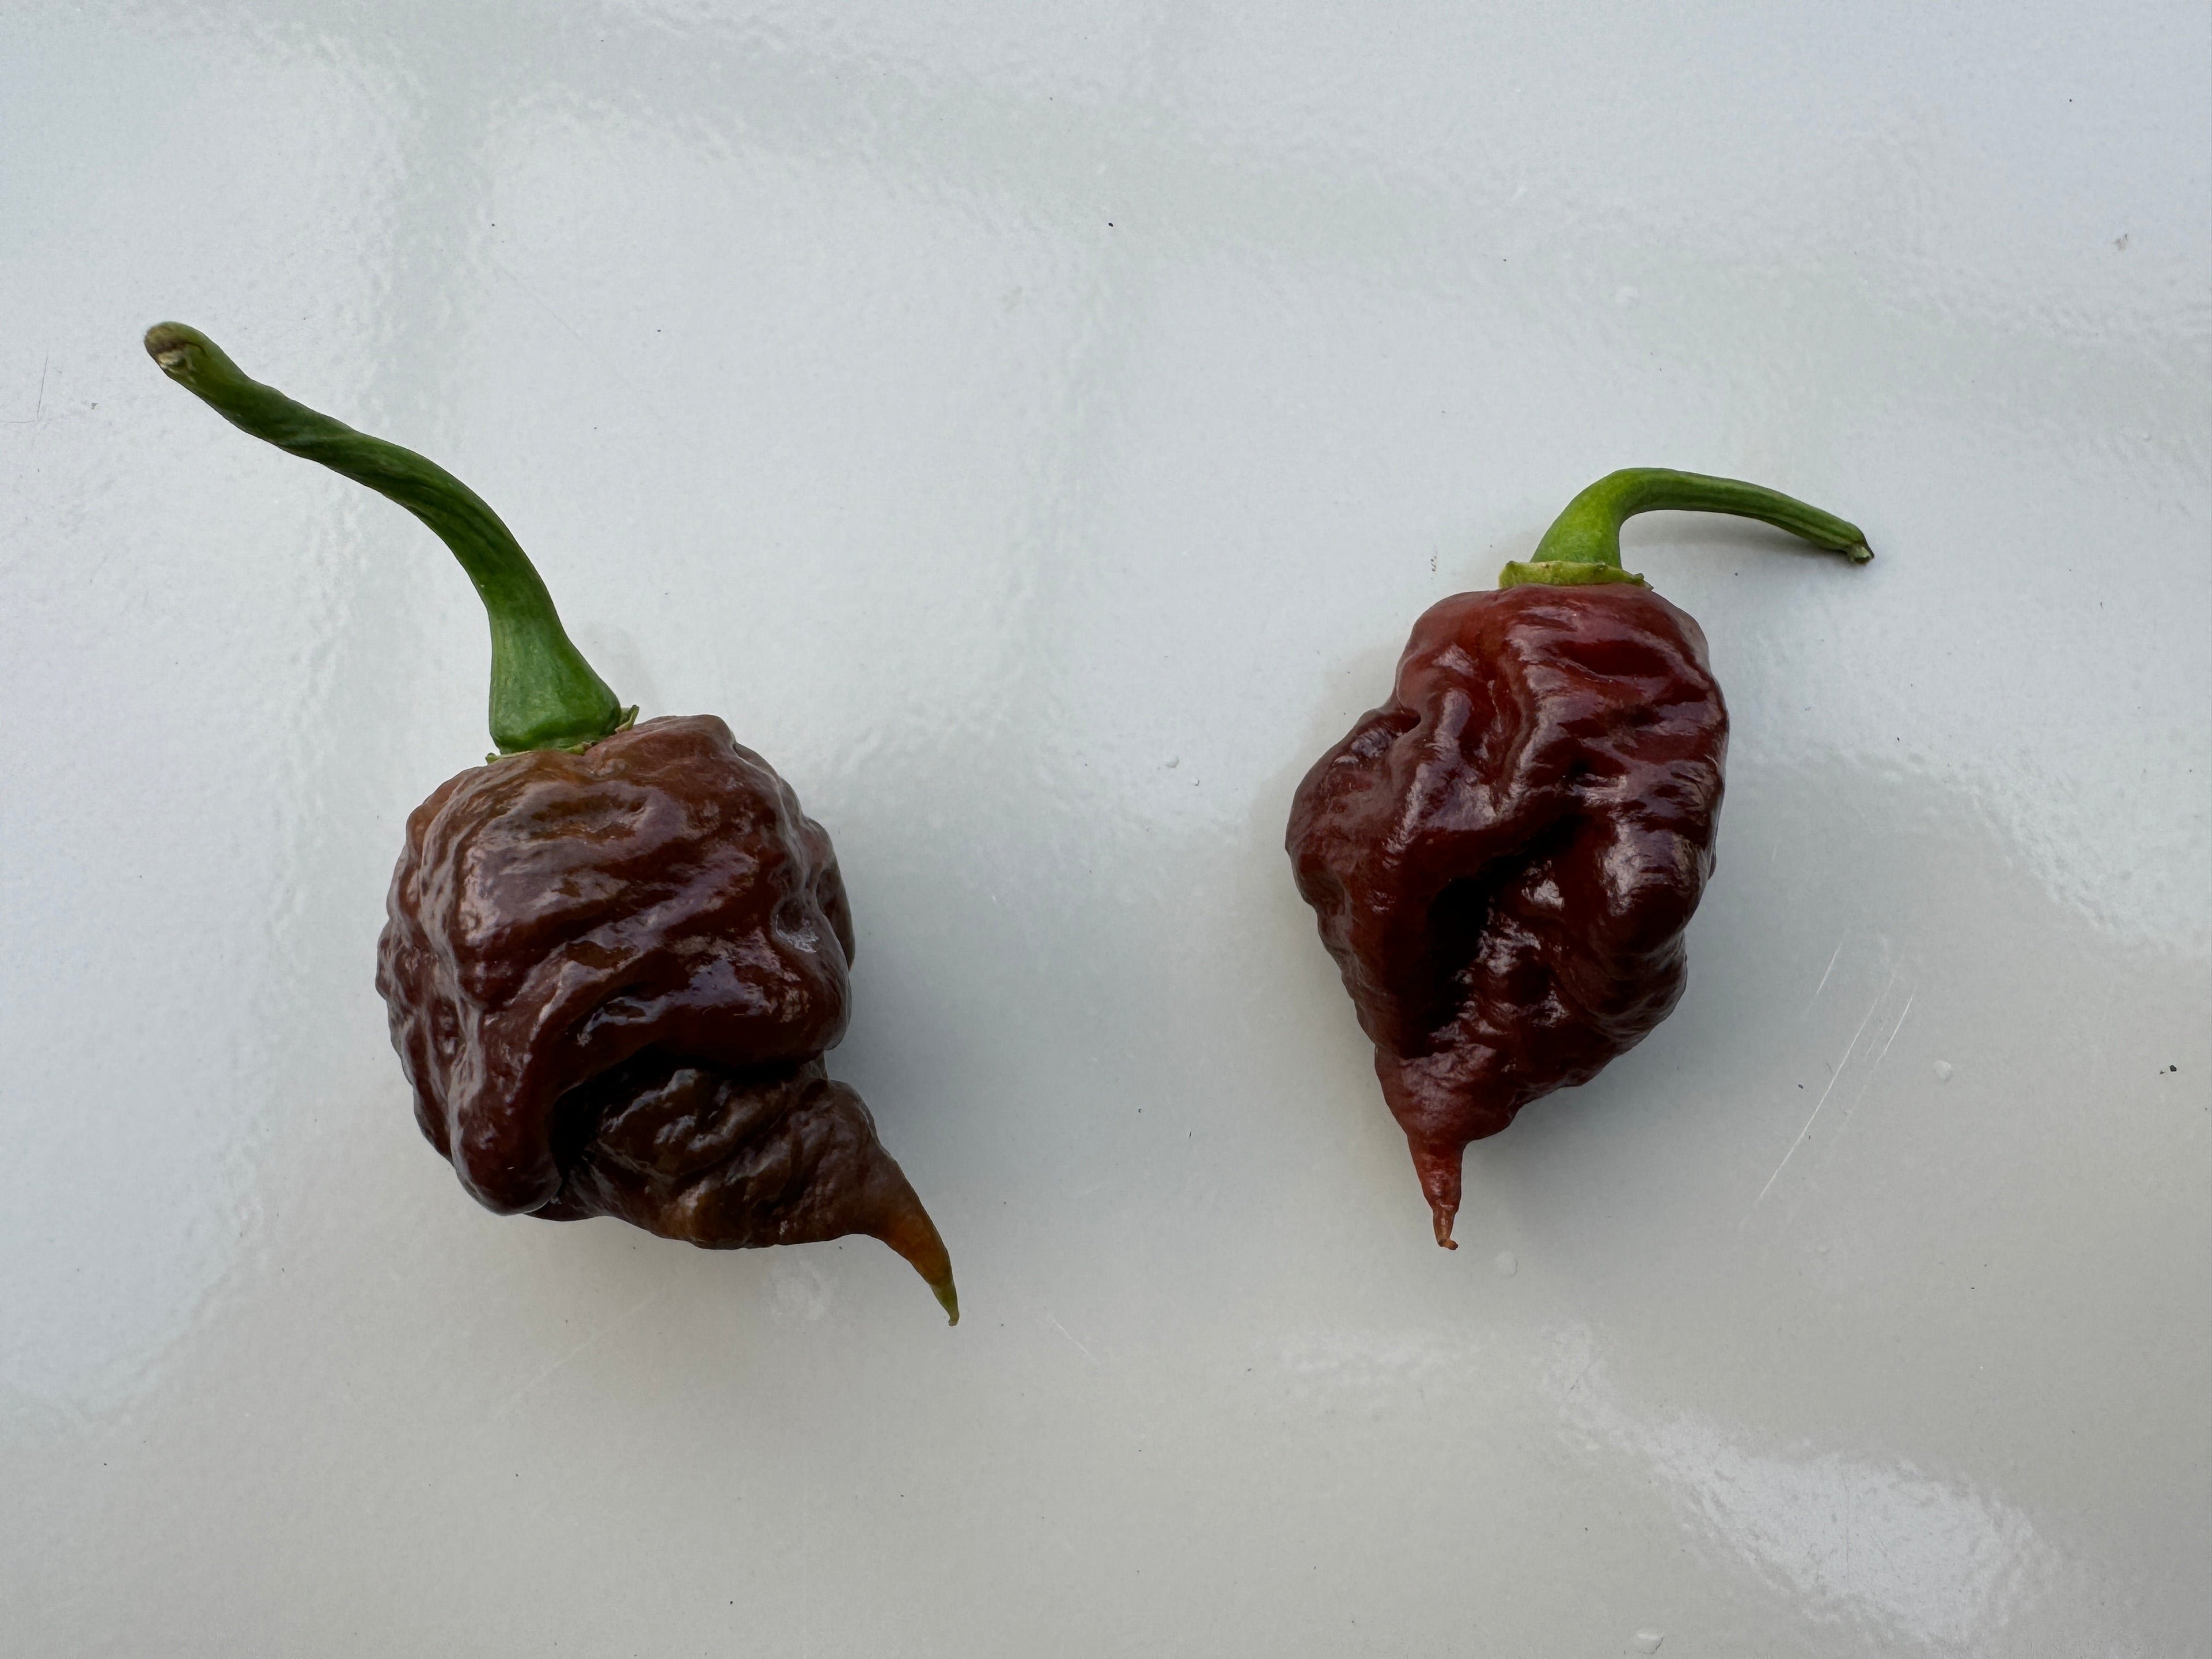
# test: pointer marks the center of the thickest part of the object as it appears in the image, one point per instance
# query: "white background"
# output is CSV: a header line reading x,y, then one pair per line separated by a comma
x,y
1035,429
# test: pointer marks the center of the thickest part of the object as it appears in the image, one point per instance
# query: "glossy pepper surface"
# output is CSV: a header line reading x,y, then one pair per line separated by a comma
x,y
1504,855
615,954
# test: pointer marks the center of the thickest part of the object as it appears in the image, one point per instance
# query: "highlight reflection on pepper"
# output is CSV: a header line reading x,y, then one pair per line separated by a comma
x,y
1504,856
616,953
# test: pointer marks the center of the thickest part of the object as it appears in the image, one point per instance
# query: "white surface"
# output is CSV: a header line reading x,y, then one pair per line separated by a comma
x,y
1035,434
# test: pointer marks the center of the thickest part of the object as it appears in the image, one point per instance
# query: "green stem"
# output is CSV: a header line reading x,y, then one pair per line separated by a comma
x,y
543,693
1584,543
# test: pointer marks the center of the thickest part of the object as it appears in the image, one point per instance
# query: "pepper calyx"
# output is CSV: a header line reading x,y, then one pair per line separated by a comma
x,y
1565,573
628,719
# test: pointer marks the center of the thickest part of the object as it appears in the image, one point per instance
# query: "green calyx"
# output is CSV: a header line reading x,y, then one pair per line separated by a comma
x,y
1565,573
1582,546
543,693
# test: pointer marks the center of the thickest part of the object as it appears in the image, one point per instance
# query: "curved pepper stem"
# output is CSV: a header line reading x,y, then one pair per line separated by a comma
x,y
543,693
1584,543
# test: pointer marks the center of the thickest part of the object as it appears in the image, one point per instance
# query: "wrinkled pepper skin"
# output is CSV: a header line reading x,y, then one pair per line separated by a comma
x,y
1504,856
611,977
614,954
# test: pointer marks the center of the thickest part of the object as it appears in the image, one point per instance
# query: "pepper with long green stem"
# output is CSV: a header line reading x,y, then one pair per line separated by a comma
x,y
615,954
1582,546
1504,855
543,693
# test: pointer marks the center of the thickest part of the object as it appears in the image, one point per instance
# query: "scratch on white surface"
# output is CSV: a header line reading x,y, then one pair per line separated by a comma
x,y
1899,1026
1859,1094
539,299
597,1336
1577,1381
644,402
1052,1321
38,416
1874,1064
1834,1078
1833,957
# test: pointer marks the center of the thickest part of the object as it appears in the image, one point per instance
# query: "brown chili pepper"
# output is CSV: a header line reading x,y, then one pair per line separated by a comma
x,y
1504,856
615,954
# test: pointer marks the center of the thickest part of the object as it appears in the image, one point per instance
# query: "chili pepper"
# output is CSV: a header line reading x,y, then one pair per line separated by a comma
x,y
1504,856
614,953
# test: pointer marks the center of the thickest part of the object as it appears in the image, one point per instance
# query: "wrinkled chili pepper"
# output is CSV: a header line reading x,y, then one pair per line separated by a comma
x,y
614,953
1504,856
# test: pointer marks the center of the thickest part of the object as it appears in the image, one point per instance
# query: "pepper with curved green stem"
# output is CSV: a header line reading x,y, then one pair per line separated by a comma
x,y
1582,546
1504,855
615,954
543,693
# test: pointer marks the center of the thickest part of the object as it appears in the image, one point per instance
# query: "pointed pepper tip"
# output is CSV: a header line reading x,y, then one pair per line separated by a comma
x,y
1437,1165
911,1232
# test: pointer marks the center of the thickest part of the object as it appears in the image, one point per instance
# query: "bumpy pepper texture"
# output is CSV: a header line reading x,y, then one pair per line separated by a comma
x,y
611,978
1504,855
615,954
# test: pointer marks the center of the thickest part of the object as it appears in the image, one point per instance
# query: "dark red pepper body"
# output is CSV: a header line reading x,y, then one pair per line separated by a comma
x,y
611,977
1504,855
